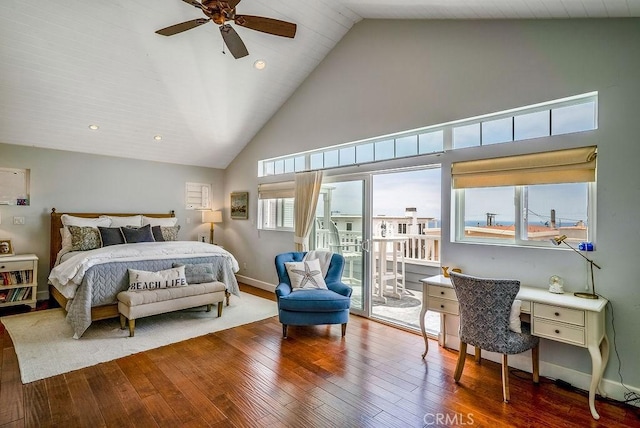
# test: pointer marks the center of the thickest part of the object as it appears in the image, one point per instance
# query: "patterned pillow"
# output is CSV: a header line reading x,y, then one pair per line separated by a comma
x,y
137,234
305,275
140,280
165,233
84,238
198,273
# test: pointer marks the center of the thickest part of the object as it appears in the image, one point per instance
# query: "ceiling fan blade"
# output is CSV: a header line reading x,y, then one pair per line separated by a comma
x,y
267,25
233,41
193,3
183,26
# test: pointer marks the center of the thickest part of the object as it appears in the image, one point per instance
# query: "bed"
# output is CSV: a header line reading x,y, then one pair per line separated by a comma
x,y
85,283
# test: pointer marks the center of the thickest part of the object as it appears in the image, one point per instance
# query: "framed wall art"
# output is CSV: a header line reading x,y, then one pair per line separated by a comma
x,y
5,248
240,205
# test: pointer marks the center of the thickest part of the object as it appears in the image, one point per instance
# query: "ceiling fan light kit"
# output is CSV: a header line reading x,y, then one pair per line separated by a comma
x,y
221,12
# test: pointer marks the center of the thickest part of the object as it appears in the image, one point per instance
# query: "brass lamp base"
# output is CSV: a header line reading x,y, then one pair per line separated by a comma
x,y
586,295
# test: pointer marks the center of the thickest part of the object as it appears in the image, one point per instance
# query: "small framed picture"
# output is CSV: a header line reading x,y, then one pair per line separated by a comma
x,y
5,248
240,205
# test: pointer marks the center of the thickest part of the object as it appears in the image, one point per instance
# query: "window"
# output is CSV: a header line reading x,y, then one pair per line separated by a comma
x,y
197,196
526,200
275,205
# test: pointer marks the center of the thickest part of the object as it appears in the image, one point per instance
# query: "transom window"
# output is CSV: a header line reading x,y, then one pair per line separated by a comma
x,y
558,117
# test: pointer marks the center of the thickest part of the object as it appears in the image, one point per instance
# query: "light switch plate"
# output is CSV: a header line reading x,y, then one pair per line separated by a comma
x,y
18,220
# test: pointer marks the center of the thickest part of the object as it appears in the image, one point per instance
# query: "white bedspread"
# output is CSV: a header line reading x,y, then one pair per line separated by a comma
x,y
68,275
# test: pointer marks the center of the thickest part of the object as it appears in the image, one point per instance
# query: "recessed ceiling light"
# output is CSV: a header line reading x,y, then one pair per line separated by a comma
x,y
93,127
260,64
157,137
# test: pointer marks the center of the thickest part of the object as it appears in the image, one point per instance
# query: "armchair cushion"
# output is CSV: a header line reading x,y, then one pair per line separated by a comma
x,y
314,300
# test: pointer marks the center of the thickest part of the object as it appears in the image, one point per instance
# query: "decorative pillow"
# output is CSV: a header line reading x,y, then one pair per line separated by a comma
x,y
123,221
157,234
159,221
140,280
514,317
111,236
137,234
198,273
162,233
305,275
84,238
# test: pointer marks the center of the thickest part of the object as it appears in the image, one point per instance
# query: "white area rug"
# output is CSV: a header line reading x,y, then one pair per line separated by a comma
x,y
45,347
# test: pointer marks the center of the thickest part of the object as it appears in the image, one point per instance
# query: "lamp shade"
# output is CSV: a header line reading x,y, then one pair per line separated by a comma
x,y
212,216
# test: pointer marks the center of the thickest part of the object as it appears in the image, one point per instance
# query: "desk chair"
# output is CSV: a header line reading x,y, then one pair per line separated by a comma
x,y
315,306
485,306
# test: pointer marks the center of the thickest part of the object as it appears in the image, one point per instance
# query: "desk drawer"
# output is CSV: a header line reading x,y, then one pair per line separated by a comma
x,y
442,292
558,331
526,307
443,305
559,314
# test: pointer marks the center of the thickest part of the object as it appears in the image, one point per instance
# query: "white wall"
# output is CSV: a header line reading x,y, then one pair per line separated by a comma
x,y
389,76
76,182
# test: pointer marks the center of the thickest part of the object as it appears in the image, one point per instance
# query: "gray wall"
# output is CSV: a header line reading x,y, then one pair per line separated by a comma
x,y
389,76
76,182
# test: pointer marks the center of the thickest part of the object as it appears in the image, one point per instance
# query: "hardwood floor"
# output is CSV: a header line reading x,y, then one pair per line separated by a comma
x,y
249,376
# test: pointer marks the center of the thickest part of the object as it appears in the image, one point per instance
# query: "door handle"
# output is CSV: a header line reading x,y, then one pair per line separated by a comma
x,y
365,245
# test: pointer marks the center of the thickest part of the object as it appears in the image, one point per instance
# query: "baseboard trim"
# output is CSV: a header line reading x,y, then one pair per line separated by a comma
x,y
256,283
612,389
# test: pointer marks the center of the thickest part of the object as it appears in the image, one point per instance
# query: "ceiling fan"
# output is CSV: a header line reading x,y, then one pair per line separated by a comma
x,y
222,11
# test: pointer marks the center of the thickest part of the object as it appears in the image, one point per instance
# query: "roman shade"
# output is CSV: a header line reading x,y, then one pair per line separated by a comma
x,y
562,166
283,189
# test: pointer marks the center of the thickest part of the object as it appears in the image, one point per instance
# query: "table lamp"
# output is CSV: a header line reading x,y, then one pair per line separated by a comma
x,y
211,217
561,239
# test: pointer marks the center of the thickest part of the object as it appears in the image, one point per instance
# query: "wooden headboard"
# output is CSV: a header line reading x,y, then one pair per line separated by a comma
x,y
56,224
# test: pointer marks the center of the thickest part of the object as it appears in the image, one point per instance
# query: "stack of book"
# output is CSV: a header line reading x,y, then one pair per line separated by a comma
x,y
15,295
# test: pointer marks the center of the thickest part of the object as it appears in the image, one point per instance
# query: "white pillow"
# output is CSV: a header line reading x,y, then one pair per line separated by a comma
x,y
305,275
159,221
514,317
124,221
69,220
66,239
140,280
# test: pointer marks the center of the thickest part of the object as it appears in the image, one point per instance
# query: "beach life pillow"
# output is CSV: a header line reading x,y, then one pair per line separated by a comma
x,y
305,275
84,238
134,235
123,221
159,221
198,273
140,280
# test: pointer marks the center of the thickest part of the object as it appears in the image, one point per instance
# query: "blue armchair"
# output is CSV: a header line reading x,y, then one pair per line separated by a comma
x,y
315,306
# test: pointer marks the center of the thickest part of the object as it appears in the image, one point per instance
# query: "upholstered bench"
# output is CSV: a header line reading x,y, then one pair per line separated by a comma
x,y
138,304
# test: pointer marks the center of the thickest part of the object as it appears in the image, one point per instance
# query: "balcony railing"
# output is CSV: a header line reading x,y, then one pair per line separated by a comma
x,y
418,248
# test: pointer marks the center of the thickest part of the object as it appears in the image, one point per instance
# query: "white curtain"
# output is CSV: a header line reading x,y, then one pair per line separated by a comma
x,y
306,198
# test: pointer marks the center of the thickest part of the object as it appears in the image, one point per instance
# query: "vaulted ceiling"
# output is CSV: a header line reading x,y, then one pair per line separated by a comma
x,y
69,64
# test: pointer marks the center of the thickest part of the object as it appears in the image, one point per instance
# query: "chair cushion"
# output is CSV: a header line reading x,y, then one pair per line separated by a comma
x,y
314,301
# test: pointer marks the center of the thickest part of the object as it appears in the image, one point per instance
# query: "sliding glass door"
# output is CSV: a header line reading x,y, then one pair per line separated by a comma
x,y
341,227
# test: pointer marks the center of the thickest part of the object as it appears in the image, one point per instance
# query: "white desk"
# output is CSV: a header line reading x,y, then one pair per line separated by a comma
x,y
381,274
561,317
